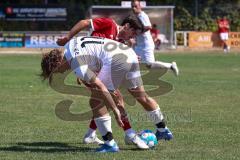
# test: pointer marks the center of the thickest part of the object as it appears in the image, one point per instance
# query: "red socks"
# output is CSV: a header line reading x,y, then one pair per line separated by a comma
x,y
124,119
93,125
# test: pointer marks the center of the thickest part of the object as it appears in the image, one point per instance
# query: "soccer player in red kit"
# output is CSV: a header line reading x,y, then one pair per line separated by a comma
x,y
223,30
155,32
107,28
104,27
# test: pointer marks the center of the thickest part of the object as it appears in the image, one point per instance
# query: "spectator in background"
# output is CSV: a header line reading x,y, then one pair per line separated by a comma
x,y
223,30
155,32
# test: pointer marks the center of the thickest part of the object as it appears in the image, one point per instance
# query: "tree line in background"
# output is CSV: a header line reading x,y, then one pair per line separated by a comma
x,y
199,15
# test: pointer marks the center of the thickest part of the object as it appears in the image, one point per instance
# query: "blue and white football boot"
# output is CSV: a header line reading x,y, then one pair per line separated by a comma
x,y
107,148
166,134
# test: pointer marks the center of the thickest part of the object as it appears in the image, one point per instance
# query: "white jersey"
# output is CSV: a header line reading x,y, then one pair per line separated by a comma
x,y
144,41
110,59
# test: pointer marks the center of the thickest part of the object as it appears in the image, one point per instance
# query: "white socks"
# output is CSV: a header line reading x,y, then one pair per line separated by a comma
x,y
155,115
91,132
159,64
104,124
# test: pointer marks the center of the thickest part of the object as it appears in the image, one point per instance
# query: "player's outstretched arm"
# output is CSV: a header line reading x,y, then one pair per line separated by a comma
x,y
108,100
81,25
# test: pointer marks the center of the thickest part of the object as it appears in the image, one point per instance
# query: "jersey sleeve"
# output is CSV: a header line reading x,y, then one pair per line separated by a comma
x,y
98,24
67,52
145,20
81,70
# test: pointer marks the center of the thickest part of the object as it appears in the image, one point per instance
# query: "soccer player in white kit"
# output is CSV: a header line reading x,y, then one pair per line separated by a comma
x,y
117,65
144,42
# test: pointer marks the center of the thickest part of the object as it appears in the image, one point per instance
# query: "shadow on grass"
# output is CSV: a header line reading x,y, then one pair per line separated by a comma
x,y
45,147
138,150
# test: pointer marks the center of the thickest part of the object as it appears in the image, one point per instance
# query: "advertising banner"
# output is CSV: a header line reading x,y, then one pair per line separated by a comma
x,y
234,38
11,39
46,40
41,40
211,39
35,13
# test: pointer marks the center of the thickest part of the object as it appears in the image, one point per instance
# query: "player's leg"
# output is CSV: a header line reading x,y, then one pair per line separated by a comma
x,y
227,48
131,136
111,83
103,123
135,86
224,38
151,63
133,82
158,44
147,56
90,136
153,111
159,64
117,97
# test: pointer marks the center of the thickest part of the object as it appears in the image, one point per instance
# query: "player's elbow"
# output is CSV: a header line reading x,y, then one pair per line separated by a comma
x,y
85,23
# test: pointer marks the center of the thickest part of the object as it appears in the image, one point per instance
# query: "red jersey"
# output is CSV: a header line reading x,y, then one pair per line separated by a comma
x,y
223,26
104,27
154,31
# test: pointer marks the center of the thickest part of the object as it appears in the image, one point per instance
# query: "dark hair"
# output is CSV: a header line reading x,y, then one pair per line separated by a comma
x,y
50,61
134,22
135,1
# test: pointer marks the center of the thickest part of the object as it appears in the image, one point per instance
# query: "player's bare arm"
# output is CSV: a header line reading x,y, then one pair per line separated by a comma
x,y
108,100
81,25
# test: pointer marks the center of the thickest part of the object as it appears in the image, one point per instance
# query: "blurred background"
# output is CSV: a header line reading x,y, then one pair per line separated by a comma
x,y
188,14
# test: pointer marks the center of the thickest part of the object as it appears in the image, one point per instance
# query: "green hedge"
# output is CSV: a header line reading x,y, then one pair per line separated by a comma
x,y
206,21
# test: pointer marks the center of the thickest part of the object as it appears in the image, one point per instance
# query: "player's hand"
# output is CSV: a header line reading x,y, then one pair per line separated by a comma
x,y
62,41
118,117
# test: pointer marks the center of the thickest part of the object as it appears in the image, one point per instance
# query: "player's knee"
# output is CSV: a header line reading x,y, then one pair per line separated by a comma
x,y
143,99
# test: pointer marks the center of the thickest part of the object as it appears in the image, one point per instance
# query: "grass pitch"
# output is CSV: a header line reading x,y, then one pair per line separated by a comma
x,y
203,111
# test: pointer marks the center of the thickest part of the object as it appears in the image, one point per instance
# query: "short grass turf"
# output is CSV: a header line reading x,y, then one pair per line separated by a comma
x,y
203,112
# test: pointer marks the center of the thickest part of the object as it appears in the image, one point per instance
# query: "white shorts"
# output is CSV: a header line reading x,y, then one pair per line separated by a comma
x,y
121,72
224,36
147,55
